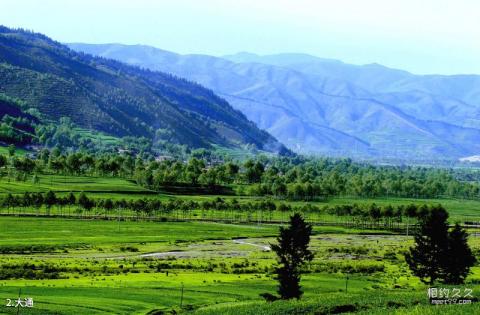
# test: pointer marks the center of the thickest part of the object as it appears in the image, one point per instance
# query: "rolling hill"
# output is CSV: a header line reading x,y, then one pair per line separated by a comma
x,y
323,106
119,99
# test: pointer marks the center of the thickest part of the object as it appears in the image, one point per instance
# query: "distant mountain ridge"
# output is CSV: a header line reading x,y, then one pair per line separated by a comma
x,y
372,77
119,99
323,106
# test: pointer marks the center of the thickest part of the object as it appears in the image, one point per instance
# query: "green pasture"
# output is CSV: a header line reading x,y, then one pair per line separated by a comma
x,y
97,136
378,303
15,230
139,267
60,183
140,293
98,277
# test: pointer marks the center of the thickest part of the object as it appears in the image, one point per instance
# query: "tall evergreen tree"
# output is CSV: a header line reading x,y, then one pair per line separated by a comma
x,y
427,258
459,258
292,251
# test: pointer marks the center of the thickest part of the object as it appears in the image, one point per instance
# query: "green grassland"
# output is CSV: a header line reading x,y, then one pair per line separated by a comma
x,y
60,183
97,136
95,266
69,231
386,302
102,269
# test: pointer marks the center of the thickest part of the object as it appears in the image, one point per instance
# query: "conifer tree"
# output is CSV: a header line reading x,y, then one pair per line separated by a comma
x,y
427,258
459,258
292,251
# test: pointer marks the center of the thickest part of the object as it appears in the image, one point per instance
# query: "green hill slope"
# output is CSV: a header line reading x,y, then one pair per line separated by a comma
x,y
118,99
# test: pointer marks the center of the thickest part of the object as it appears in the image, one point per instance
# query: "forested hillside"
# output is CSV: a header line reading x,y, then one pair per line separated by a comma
x,y
16,126
117,99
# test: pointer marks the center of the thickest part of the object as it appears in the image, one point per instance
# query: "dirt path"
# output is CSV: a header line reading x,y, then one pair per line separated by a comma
x,y
178,254
241,241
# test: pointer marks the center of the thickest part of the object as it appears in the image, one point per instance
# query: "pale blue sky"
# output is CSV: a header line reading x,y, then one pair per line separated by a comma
x,y
422,36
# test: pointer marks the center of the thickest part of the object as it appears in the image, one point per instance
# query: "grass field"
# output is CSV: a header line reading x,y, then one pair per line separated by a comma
x,y
52,231
137,267
95,266
72,183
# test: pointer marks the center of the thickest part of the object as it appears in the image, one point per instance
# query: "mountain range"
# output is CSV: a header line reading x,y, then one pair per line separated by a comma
x,y
119,99
327,107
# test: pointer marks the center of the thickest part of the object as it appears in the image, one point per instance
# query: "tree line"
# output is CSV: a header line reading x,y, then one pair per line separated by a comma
x,y
267,210
277,177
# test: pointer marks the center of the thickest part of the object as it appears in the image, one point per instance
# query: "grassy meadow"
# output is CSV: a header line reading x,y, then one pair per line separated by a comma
x,y
91,265
102,267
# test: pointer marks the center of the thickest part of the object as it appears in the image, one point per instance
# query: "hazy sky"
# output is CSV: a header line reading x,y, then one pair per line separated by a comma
x,y
422,36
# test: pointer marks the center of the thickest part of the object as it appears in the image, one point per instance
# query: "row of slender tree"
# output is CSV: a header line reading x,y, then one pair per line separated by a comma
x,y
367,215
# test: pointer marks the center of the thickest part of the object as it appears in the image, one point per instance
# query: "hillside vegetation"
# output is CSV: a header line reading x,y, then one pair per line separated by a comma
x,y
117,99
